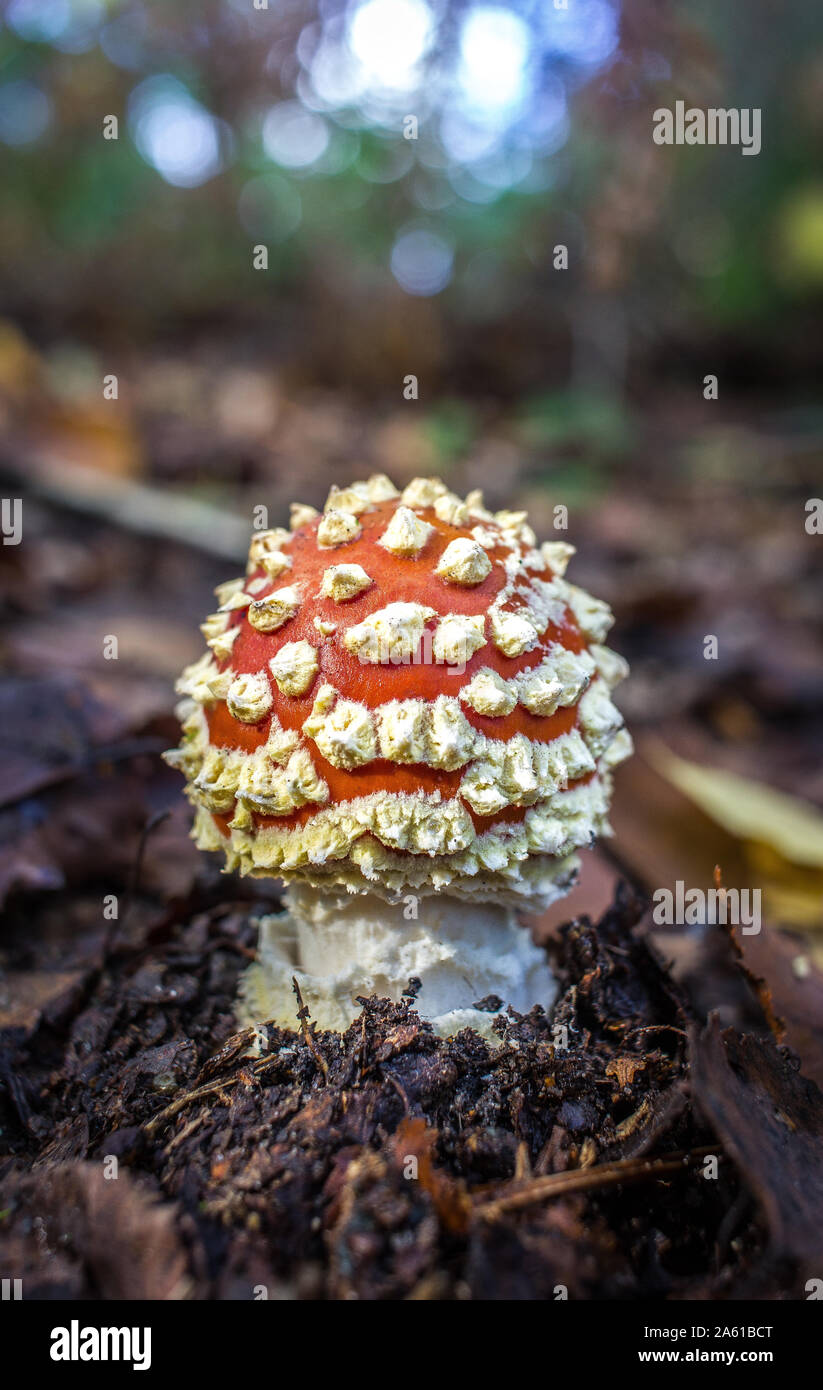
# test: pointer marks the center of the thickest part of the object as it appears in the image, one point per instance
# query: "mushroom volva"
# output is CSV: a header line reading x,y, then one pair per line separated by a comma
x,y
404,713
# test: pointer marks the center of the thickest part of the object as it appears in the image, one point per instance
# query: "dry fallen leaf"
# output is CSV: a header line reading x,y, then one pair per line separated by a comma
x,y
749,809
115,1238
770,1121
781,836
795,990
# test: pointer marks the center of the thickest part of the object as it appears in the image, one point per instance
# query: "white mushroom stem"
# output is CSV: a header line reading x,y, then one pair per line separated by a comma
x,y
342,946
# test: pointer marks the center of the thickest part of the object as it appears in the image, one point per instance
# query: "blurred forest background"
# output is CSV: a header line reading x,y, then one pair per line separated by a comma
x,y
285,127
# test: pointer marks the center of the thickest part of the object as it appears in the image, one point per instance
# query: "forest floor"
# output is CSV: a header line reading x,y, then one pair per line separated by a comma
x,y
672,1149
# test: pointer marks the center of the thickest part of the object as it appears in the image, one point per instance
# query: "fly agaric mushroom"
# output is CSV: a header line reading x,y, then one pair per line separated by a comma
x,y
405,714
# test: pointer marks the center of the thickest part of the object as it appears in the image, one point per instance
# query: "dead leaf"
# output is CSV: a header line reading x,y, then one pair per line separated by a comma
x,y
795,986
769,1120
415,1137
124,1241
28,996
749,809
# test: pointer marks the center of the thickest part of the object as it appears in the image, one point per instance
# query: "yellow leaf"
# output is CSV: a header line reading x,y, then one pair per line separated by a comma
x,y
793,907
748,809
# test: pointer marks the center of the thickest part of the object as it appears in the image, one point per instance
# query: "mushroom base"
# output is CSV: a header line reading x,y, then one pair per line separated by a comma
x,y
341,947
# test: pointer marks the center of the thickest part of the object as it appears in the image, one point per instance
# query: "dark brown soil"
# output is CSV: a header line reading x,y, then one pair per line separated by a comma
x,y
387,1163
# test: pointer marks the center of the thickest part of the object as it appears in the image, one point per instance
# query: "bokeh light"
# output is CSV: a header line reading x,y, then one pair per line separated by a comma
x,y
270,208
70,25
388,38
586,33
174,133
25,112
293,136
38,22
494,55
421,261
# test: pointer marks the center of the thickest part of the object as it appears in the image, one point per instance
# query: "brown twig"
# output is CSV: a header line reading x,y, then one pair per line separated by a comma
x,y
199,1093
308,1036
184,1133
399,1089
136,507
587,1179
255,1069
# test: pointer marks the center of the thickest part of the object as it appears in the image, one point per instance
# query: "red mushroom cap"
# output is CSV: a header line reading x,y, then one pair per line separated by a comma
x,y
404,693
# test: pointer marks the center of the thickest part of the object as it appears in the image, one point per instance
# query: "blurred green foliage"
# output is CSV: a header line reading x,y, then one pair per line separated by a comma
x,y
667,244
